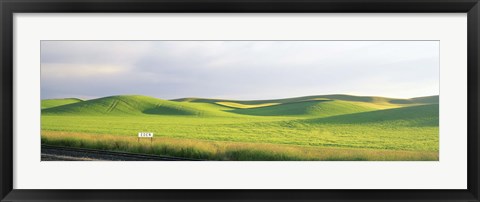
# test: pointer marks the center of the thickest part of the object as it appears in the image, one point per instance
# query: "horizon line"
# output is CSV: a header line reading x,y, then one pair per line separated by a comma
x,y
213,98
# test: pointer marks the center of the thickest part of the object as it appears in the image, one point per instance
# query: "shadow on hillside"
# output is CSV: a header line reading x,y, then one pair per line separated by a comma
x,y
423,115
285,109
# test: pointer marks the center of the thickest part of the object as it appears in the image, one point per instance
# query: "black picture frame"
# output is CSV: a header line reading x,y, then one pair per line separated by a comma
x,y
10,7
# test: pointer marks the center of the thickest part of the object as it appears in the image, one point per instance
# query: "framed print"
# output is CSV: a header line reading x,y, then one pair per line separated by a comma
x,y
239,101
252,118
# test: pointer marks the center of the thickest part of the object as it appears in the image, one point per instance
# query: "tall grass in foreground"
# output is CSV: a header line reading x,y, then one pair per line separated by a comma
x,y
230,151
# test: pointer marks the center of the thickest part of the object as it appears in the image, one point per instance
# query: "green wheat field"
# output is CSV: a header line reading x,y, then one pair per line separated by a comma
x,y
325,127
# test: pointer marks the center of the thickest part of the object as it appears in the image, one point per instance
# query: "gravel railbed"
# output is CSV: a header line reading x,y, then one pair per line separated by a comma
x,y
54,153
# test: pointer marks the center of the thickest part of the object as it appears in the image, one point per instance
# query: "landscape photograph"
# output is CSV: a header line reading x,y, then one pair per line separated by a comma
x,y
239,100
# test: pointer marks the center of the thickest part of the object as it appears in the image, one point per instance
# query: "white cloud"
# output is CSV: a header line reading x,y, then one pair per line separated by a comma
x,y
85,71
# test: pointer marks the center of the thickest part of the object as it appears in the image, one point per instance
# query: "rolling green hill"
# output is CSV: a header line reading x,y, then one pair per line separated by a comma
x,y
58,102
427,99
317,108
133,105
394,102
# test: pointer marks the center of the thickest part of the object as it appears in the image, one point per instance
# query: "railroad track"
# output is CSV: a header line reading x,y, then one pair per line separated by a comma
x,y
55,153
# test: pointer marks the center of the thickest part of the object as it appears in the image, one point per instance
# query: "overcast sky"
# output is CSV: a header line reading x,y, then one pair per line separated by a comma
x,y
238,69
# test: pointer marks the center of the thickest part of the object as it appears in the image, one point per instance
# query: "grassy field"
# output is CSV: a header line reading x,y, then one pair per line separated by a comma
x,y
57,102
329,127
